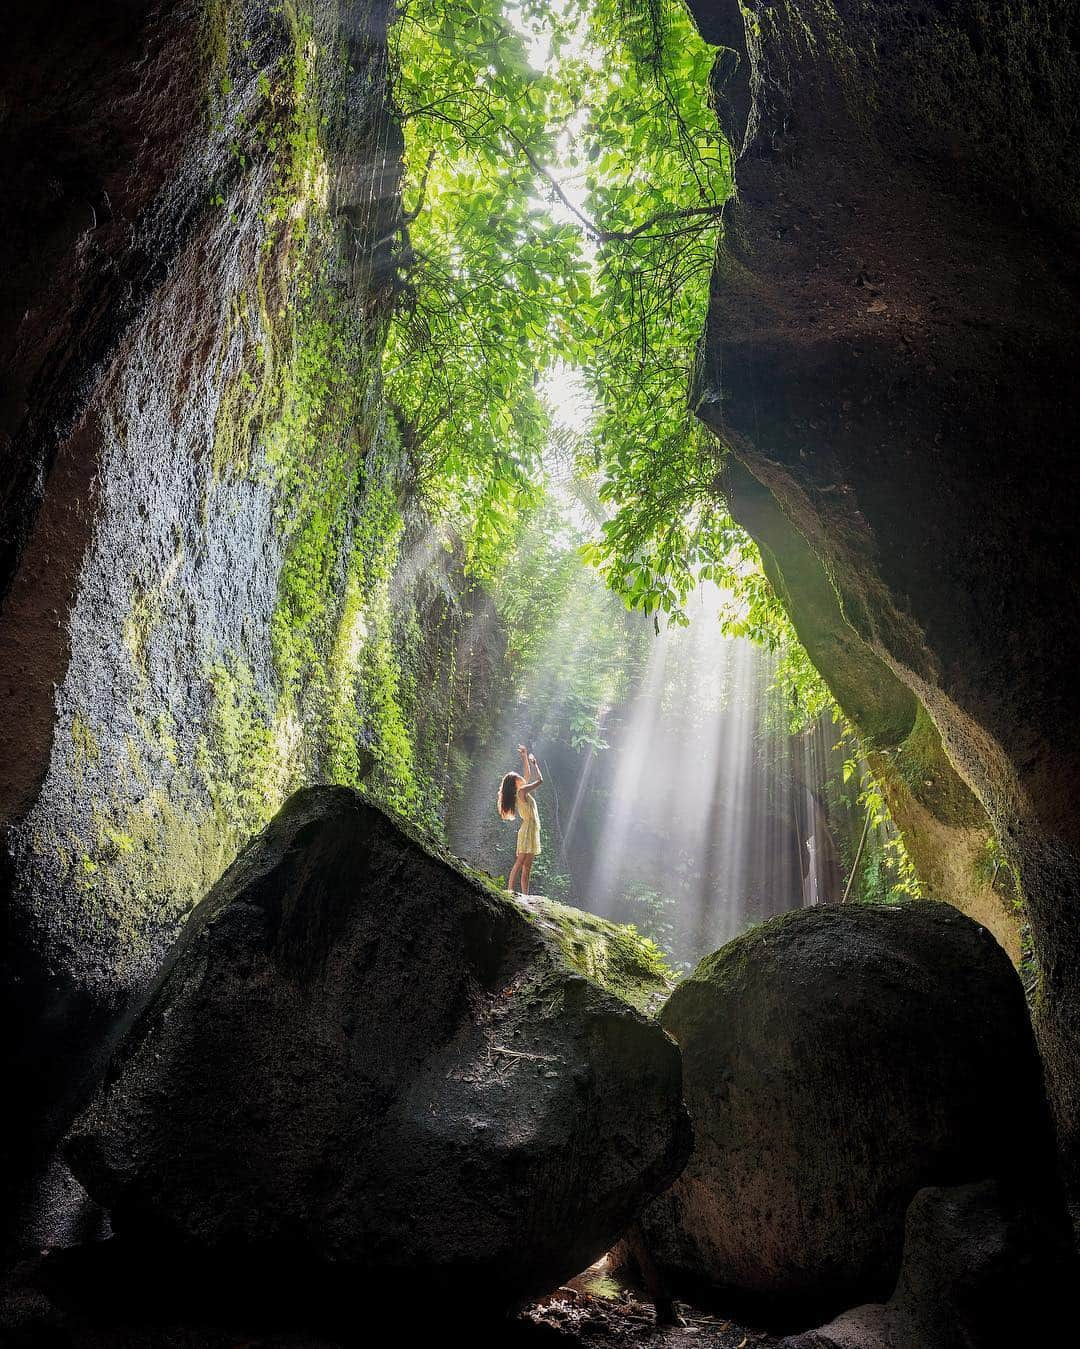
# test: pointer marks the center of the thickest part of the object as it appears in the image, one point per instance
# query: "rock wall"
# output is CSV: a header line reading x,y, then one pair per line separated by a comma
x,y
890,354
946,831
202,509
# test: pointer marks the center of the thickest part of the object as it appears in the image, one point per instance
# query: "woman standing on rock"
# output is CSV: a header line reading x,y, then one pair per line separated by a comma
x,y
516,795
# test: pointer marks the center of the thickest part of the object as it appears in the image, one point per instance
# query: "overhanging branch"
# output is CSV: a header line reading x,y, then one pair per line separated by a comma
x,y
606,236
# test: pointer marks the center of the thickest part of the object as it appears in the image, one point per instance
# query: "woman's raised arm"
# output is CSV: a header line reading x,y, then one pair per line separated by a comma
x,y
535,782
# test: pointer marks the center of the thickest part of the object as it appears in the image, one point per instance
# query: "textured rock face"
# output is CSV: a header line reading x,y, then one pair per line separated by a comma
x,y
616,957
946,831
358,1052
197,488
835,1061
891,351
979,1271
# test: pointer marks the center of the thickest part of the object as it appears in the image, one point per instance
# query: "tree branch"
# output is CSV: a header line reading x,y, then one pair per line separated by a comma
x,y
597,232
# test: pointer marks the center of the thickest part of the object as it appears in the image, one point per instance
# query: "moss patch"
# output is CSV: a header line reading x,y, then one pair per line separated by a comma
x,y
616,957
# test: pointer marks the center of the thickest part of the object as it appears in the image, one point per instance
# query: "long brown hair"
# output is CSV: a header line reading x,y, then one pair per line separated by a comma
x,y
508,790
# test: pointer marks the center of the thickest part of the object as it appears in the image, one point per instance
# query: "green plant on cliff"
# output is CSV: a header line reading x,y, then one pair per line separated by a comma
x,y
880,867
306,388
560,621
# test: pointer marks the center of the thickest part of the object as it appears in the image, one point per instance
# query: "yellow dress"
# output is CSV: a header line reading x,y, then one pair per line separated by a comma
x,y
528,839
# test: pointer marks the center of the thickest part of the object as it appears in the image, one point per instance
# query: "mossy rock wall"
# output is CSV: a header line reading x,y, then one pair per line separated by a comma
x,y
945,828
203,602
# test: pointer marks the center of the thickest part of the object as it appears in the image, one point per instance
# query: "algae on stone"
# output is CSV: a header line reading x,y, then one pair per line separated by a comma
x,y
614,955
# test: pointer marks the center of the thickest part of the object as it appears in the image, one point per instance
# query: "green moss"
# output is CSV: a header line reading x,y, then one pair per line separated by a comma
x,y
147,609
383,680
603,1286
303,92
245,397
140,623
133,767
85,749
251,757
147,852
163,733
616,957
923,764
151,863
316,447
1029,971
215,40
309,388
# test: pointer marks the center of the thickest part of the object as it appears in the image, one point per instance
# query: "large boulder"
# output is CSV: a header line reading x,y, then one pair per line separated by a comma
x,y
360,1054
836,1060
981,1270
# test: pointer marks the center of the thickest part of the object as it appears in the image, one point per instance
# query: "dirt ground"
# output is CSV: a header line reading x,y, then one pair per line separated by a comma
x,y
597,1311
56,1302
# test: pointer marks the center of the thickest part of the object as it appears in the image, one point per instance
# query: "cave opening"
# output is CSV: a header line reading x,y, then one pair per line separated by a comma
x,y
698,774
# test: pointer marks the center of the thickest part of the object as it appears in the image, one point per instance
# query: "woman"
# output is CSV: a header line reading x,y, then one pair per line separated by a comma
x,y
516,797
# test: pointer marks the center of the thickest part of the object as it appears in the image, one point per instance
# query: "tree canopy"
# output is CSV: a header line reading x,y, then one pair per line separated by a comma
x,y
566,180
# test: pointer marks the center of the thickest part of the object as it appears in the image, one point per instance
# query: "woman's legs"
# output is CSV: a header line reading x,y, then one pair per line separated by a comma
x,y
527,860
514,870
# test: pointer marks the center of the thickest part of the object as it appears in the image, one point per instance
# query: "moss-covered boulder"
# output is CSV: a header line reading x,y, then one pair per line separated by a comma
x,y
836,1060
360,1055
615,955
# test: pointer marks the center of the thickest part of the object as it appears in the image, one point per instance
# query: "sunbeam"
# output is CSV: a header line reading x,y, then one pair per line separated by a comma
x,y
688,808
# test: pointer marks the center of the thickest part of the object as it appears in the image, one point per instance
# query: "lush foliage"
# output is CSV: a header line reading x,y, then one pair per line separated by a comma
x,y
562,622
878,865
489,277
570,215
656,177
565,189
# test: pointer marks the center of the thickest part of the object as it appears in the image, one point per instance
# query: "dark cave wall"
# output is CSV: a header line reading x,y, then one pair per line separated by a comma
x,y
201,507
946,831
891,349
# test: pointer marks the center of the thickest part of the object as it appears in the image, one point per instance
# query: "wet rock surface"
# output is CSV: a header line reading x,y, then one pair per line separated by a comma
x,y
360,1058
836,1060
152,288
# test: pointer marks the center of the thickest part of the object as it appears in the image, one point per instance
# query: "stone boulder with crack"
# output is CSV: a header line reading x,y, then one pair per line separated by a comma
x,y
361,1056
837,1060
